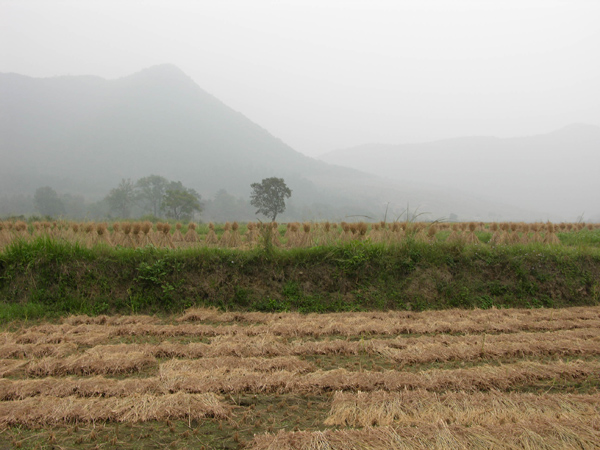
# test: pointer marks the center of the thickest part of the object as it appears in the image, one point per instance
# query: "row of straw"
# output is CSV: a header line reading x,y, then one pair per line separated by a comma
x,y
399,352
262,377
208,323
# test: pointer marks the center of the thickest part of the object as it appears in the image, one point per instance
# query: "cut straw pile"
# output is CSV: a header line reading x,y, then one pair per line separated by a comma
x,y
385,380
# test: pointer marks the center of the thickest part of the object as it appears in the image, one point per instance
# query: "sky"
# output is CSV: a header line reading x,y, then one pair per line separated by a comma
x,y
328,74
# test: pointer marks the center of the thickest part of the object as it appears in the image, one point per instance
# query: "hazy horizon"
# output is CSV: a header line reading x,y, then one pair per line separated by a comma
x,y
327,75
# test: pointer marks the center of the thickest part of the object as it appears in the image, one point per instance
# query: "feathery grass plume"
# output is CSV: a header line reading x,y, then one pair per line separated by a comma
x,y
211,237
192,234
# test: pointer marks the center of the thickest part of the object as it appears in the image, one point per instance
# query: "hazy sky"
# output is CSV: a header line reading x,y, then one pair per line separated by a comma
x,y
327,74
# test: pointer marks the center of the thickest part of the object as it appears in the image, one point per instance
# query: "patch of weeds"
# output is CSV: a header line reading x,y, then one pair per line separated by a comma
x,y
269,304
485,302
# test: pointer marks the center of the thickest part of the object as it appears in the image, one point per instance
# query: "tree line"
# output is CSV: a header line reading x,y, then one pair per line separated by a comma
x,y
155,196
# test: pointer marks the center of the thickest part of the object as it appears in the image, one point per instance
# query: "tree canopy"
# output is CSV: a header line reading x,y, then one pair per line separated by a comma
x,y
269,196
180,203
47,202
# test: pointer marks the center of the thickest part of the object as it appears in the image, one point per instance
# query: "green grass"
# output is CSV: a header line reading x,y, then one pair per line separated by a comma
x,y
46,278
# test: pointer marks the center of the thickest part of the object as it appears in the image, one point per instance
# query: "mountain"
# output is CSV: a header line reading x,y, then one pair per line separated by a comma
x,y
84,134
555,172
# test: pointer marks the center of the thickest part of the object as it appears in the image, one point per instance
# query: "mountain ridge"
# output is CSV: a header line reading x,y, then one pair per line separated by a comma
x,y
536,171
84,134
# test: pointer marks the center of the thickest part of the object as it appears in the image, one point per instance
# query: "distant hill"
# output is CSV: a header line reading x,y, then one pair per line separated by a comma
x,y
555,172
84,134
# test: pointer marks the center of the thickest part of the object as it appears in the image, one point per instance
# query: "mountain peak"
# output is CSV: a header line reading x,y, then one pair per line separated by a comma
x,y
161,72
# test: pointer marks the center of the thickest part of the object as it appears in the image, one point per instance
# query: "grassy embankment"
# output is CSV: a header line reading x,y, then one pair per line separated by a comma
x,y
45,277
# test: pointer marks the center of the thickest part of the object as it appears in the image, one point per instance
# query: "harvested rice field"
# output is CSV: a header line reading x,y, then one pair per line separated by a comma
x,y
453,379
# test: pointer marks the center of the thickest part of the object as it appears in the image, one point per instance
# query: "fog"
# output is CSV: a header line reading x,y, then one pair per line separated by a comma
x,y
324,74
328,75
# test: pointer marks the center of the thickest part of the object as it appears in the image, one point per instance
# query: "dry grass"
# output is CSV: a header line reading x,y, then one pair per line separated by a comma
x,y
439,436
92,331
48,410
463,384
91,363
441,348
405,322
141,234
485,409
504,377
289,364
14,350
190,377
97,386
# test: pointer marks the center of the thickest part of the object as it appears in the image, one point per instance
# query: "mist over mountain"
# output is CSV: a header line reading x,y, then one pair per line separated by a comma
x,y
554,173
84,134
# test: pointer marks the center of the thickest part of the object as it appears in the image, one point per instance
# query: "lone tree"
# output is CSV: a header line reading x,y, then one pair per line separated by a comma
x,y
269,196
